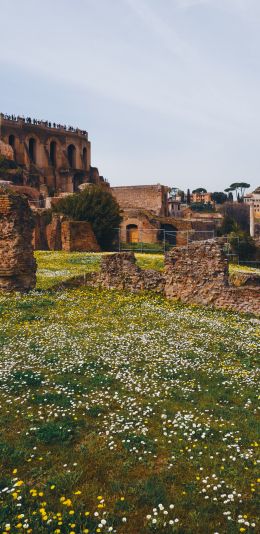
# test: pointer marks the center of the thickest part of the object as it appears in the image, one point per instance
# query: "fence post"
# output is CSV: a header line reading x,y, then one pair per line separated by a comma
x,y
119,240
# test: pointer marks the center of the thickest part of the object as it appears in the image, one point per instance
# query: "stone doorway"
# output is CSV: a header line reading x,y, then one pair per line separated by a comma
x,y
132,234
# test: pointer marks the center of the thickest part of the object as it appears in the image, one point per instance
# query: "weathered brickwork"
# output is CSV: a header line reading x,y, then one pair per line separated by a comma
x,y
120,271
78,236
147,197
57,232
196,274
17,263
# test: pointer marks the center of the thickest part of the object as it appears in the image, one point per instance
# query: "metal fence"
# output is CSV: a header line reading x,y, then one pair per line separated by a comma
x,y
157,240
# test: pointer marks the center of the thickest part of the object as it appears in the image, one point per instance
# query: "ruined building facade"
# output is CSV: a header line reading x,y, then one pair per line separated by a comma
x,y
55,159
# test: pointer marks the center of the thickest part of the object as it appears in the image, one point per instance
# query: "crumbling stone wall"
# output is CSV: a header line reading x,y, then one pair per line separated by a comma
x,y
57,232
119,271
196,274
199,274
17,263
78,236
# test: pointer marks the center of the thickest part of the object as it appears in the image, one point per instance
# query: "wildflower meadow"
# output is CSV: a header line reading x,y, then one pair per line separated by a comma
x,y
125,413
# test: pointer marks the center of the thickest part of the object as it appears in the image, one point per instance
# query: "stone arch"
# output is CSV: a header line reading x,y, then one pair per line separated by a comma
x,y
32,149
132,233
71,153
12,141
77,181
53,153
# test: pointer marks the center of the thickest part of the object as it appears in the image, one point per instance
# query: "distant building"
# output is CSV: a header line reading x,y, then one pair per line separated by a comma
x,y
254,198
203,198
54,158
153,198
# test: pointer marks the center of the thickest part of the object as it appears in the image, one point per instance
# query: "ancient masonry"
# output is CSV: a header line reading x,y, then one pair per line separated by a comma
x,y
196,274
17,263
58,232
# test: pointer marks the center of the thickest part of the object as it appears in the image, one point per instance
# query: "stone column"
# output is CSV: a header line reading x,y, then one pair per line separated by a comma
x,y
252,220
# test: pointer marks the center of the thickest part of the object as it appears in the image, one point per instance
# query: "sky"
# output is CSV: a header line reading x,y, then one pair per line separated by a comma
x,y
169,90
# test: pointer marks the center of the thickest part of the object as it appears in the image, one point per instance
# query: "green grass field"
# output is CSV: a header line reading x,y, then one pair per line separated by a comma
x,y
125,413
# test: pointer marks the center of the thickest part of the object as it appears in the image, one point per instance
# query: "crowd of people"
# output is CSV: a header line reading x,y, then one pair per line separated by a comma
x,y
47,124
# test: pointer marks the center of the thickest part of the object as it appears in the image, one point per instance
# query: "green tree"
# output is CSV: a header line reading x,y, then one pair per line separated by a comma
x,y
243,245
235,217
219,197
97,206
239,188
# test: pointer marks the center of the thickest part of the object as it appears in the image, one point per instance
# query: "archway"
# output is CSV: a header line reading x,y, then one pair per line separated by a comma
x,y
169,234
77,181
84,158
11,141
32,149
132,234
72,156
53,151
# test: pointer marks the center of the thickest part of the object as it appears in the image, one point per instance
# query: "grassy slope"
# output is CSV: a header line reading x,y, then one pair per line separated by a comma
x,y
114,403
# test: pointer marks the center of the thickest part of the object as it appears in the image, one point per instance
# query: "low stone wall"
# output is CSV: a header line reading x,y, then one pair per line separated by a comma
x,y
196,274
199,274
119,271
17,263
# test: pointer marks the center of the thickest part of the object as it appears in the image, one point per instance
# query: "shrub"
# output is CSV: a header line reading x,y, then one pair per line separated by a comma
x,y
97,206
243,245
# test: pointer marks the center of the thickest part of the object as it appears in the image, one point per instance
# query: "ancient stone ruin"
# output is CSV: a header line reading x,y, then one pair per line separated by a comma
x,y
17,263
57,232
195,274
120,271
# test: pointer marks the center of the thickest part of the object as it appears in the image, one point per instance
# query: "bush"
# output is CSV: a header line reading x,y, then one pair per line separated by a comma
x,y
236,217
97,206
243,245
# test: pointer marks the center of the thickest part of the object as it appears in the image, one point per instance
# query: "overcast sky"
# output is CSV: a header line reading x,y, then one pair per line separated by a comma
x,y
168,90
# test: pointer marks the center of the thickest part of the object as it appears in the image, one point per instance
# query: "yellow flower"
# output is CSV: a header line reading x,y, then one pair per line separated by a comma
x,y
71,512
77,492
99,497
18,483
87,513
14,471
15,495
19,525
53,486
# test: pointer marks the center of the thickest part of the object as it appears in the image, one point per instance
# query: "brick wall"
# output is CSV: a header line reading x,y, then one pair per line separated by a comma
x,y
78,236
146,197
57,232
196,274
17,263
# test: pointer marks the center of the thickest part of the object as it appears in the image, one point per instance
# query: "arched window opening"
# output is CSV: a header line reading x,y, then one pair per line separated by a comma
x,y
84,157
53,150
72,156
32,149
11,141
77,181
132,234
